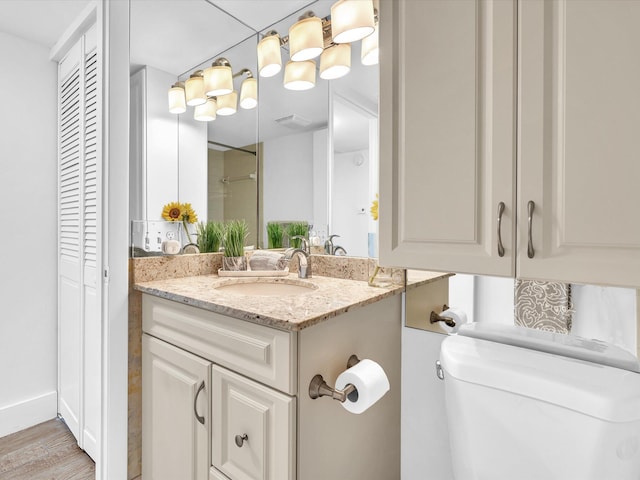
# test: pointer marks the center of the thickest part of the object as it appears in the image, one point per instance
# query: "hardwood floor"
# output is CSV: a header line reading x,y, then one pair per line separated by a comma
x,y
45,452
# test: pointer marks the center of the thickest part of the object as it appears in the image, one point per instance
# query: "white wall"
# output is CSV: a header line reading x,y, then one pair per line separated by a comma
x,y
288,178
606,313
351,201
425,438
28,325
320,182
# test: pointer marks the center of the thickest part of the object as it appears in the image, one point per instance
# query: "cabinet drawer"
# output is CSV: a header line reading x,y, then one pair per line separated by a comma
x,y
264,417
265,354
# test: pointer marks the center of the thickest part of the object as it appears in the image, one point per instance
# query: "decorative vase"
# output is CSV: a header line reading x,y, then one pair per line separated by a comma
x,y
234,263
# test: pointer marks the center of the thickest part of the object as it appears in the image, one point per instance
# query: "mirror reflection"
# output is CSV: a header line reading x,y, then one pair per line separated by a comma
x,y
300,156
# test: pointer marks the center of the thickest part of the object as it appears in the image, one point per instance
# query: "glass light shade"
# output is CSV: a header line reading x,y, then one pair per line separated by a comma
x,y
305,39
218,80
300,75
207,111
335,62
269,56
370,51
351,20
194,90
177,102
228,104
249,93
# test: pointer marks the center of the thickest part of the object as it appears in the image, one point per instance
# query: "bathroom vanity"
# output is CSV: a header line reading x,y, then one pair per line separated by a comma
x,y
225,380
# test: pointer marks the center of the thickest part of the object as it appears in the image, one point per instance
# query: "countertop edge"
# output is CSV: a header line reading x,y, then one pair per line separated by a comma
x,y
266,320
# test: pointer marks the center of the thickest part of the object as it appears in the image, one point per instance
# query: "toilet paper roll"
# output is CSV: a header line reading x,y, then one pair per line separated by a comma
x,y
455,314
369,379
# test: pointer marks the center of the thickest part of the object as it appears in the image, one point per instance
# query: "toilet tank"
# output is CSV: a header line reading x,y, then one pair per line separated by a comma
x,y
532,405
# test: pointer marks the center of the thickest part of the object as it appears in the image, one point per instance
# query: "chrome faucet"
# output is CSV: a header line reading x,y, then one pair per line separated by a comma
x,y
305,243
304,269
331,249
338,250
328,245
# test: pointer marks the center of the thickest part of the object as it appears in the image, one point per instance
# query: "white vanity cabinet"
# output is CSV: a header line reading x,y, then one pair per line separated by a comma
x,y
176,417
253,428
254,418
531,104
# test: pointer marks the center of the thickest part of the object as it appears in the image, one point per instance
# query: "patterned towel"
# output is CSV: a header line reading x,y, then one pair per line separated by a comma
x,y
543,305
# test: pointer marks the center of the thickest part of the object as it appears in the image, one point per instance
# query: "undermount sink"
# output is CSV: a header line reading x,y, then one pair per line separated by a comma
x,y
267,288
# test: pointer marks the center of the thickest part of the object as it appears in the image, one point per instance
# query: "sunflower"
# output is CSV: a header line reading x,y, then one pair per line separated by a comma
x,y
188,214
374,208
180,212
173,212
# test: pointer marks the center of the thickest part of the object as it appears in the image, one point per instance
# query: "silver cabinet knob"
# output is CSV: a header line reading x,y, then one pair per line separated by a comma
x,y
240,439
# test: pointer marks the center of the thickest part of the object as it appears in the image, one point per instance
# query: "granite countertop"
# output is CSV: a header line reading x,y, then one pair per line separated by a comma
x,y
330,297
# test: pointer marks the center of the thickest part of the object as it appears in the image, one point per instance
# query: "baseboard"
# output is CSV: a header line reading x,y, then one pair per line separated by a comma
x,y
28,413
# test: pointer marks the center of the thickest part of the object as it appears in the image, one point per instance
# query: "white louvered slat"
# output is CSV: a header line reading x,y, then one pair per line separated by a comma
x,y
69,176
90,181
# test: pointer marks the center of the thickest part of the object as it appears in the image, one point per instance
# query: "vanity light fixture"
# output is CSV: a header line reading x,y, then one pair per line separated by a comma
x,y
177,102
269,55
352,20
194,89
335,61
218,78
249,92
300,75
305,38
370,52
207,111
228,104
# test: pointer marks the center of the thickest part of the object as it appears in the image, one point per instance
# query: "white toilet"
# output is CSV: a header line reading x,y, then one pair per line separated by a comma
x,y
525,404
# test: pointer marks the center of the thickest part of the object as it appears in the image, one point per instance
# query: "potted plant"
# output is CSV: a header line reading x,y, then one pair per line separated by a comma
x,y
275,234
235,233
294,229
210,236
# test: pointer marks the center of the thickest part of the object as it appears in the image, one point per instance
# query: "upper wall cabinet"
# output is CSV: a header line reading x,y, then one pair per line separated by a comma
x,y
450,145
447,113
579,141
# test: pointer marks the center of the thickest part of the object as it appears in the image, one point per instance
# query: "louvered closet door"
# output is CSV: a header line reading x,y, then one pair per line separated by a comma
x,y
79,286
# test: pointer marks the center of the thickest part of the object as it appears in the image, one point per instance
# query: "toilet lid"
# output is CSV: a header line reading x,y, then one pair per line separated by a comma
x,y
571,346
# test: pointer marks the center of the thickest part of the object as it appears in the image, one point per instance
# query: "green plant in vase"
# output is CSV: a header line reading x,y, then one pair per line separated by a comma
x,y
275,234
210,236
235,234
297,228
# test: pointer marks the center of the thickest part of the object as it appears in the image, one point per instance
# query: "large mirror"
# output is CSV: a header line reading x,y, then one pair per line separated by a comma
x,y
300,156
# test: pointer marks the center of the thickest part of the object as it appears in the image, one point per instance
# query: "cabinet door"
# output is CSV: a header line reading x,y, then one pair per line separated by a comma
x,y
579,152
174,441
254,430
447,112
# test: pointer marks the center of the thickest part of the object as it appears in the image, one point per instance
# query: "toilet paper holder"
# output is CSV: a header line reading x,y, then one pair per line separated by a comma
x,y
435,318
319,388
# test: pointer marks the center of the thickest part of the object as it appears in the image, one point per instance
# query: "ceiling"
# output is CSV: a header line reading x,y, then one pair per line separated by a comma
x,y
177,36
41,21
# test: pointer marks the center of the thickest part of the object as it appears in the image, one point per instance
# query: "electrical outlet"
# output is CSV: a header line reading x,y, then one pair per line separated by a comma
x,y
171,235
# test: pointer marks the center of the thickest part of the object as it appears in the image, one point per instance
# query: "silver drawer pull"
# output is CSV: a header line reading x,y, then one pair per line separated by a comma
x,y
240,439
530,251
500,246
195,404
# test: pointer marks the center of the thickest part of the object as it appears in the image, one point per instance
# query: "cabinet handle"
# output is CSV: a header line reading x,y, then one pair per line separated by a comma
x,y
530,251
240,439
500,246
195,404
